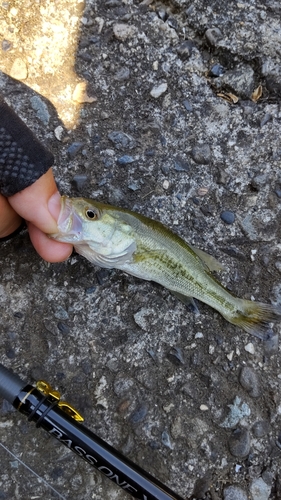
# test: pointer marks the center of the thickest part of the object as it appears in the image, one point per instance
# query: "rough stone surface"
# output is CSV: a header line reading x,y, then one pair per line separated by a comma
x,y
234,493
133,359
259,489
249,380
239,443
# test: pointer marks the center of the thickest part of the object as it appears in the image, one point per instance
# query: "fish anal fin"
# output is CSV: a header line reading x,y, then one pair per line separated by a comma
x,y
187,301
210,261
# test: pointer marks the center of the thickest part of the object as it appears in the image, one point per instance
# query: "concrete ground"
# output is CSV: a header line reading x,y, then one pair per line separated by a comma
x,y
171,109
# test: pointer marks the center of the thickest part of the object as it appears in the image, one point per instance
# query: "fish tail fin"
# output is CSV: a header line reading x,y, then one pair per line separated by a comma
x,y
254,317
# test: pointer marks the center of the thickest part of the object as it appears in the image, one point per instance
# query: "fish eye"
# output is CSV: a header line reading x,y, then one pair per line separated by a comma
x,y
90,214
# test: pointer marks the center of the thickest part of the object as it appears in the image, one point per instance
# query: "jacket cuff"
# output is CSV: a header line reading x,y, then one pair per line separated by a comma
x,y
23,159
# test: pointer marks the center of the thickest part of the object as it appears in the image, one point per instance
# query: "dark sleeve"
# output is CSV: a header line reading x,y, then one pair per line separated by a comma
x,y
23,159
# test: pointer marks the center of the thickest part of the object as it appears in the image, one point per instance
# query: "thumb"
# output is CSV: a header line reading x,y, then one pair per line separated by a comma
x,y
39,203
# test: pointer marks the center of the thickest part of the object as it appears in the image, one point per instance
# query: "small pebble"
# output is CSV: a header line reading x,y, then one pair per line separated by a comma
x,y
240,81
166,184
234,493
271,345
187,105
237,411
10,353
259,489
6,45
162,14
202,191
181,165
172,22
59,132
61,313
259,181
249,381
204,408
184,50
217,70
139,414
165,168
14,464
230,355
80,181
18,314
102,276
63,327
125,160
268,476
90,290
175,356
5,409
202,485
165,438
112,3
158,90
213,36
121,140
201,154
239,443
211,349
41,109
261,428
260,226
250,348
96,138
122,74
134,186
278,266
74,148
278,441
19,70
149,152
267,118
123,31
227,216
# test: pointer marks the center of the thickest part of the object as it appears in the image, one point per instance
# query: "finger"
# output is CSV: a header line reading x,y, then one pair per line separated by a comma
x,y
32,203
49,250
9,219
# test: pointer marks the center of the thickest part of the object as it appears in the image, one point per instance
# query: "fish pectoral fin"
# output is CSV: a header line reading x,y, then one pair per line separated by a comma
x,y
210,261
187,301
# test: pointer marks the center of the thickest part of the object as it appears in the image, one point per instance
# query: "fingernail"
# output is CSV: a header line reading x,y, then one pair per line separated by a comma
x,y
54,205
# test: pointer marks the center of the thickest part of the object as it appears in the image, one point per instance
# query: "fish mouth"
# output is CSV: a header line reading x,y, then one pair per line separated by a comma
x,y
69,223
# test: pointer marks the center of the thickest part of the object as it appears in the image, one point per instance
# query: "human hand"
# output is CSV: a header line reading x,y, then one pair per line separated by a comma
x,y
39,205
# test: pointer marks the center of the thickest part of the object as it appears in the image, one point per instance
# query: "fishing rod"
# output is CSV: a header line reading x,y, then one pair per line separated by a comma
x,y
42,405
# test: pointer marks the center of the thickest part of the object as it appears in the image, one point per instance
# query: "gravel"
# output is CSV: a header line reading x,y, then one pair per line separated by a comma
x,y
234,493
239,443
250,382
150,376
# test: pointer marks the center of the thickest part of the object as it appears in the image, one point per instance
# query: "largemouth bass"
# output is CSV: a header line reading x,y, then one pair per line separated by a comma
x,y
113,237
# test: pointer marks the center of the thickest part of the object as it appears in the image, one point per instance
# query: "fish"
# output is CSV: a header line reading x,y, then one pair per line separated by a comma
x,y
112,237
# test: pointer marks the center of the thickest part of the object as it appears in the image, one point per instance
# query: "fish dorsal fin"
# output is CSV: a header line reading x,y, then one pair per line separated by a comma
x,y
210,261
